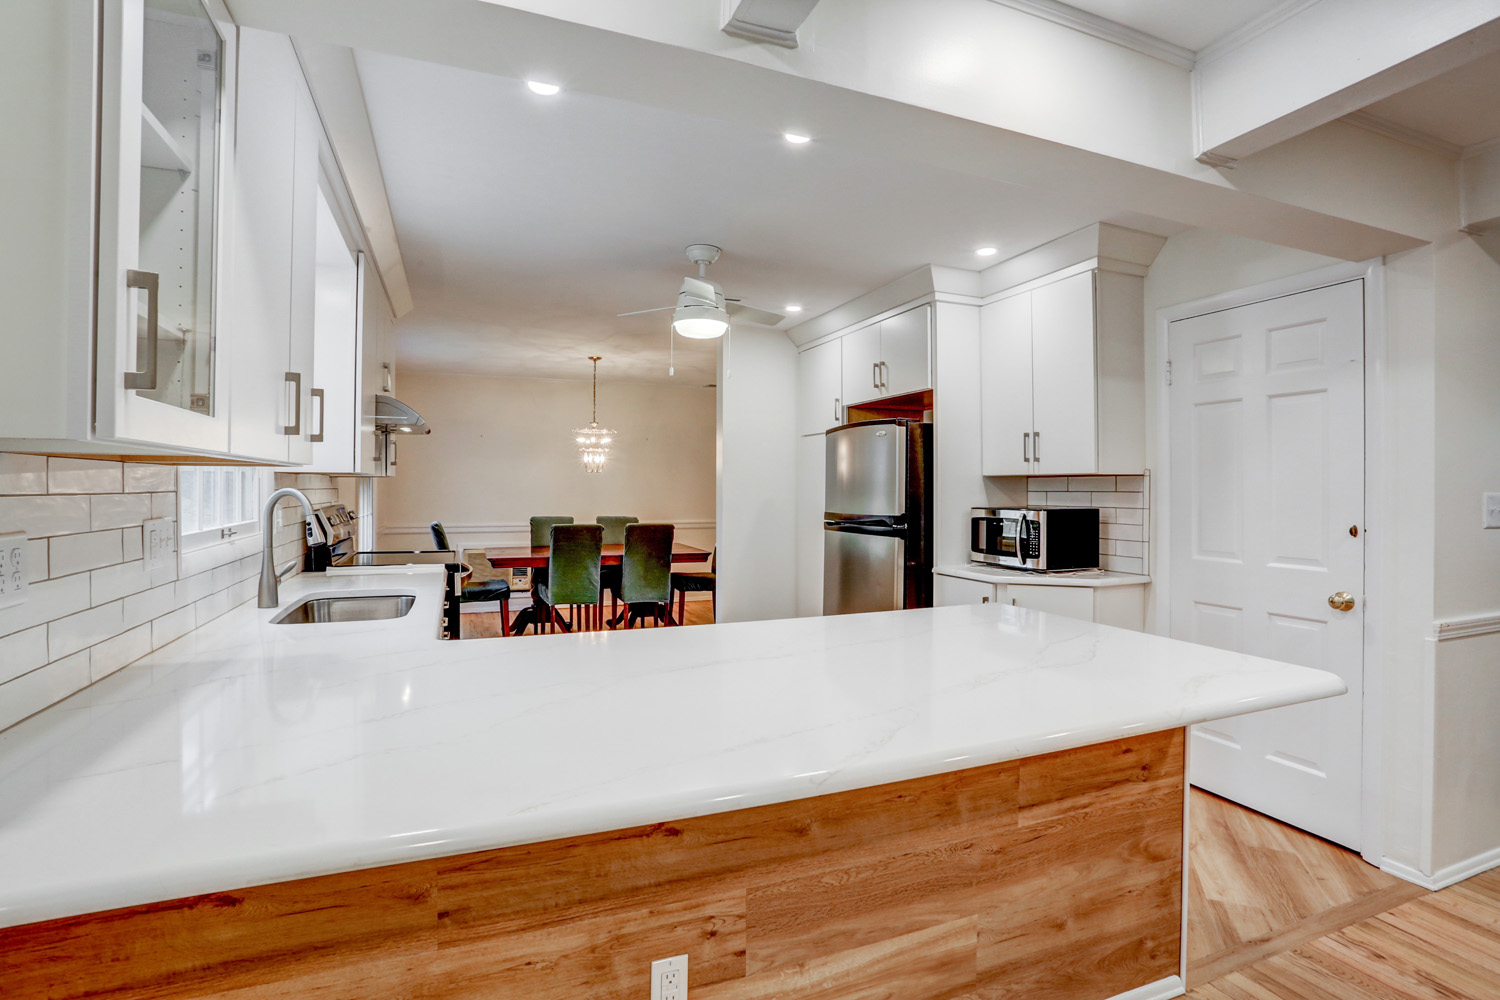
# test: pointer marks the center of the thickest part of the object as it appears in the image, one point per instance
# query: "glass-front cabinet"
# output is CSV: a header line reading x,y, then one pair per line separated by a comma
x,y
164,117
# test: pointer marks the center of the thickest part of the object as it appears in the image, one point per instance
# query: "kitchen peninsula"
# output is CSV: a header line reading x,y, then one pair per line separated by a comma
x,y
980,799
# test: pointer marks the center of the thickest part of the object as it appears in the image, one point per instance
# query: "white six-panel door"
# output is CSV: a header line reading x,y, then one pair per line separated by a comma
x,y
1266,524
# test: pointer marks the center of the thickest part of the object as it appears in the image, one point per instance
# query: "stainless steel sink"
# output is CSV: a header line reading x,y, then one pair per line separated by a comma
x,y
346,608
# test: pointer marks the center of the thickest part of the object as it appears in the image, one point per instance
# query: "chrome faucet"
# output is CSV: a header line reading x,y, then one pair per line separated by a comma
x,y
269,598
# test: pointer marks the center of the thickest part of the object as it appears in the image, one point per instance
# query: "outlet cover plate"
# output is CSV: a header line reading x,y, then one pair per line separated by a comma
x,y
160,543
13,569
669,978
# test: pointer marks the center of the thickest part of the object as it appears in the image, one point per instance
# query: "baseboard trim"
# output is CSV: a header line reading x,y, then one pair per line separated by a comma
x,y
1162,989
1444,877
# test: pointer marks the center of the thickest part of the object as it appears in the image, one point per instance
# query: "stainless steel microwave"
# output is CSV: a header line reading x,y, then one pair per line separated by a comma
x,y
1037,538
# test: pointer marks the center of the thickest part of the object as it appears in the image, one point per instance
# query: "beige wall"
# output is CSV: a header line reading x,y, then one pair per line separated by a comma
x,y
502,451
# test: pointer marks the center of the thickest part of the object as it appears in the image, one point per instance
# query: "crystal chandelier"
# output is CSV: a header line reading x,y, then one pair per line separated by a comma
x,y
593,440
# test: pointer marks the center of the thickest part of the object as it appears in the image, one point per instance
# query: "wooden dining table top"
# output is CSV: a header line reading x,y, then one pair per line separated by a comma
x,y
512,556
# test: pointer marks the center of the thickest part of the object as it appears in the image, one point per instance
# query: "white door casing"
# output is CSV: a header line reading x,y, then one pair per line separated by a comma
x,y
1266,423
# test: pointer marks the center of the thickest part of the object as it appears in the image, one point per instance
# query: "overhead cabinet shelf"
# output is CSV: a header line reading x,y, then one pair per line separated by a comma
x,y
158,148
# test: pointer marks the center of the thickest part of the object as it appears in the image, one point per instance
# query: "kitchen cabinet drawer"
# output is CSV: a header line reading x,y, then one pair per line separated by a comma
x,y
950,591
1122,607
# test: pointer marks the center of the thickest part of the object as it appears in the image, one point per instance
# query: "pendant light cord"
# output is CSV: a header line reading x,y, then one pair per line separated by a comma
x,y
595,418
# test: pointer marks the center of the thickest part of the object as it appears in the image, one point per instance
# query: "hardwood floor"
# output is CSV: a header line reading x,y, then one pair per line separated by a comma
x,y
485,625
1440,946
1258,887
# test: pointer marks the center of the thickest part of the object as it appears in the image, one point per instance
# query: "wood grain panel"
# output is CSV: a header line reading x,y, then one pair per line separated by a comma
x,y
1049,877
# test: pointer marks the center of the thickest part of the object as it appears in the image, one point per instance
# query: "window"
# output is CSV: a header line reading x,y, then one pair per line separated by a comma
x,y
217,504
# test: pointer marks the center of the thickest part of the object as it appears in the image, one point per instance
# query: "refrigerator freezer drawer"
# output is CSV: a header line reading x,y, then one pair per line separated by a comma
x,y
862,572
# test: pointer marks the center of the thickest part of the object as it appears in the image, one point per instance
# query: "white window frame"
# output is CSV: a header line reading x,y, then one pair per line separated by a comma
x,y
201,529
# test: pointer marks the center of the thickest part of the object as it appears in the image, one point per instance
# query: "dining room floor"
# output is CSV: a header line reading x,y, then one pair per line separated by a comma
x,y
486,624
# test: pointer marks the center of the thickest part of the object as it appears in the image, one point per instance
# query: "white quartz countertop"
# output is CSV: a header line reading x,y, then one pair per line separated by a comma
x,y
1073,578
247,753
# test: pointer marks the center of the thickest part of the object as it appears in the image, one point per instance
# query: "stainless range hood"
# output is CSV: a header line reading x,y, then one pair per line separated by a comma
x,y
393,415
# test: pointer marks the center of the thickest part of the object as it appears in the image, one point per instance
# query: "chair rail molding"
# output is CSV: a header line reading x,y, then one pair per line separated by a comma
x,y
1462,628
504,527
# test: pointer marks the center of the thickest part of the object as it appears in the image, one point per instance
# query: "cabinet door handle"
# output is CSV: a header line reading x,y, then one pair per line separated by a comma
x,y
295,427
835,409
1026,446
146,377
1036,446
322,415
875,375
885,375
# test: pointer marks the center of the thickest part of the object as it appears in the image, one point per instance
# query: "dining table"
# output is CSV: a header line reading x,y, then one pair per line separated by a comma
x,y
535,557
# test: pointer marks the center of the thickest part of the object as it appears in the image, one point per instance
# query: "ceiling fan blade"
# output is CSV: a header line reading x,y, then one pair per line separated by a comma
x,y
640,311
762,316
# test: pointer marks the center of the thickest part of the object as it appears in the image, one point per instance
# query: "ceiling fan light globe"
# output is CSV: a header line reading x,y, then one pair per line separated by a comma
x,y
700,322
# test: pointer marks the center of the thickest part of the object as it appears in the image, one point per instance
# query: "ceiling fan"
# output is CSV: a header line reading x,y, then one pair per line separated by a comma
x,y
701,311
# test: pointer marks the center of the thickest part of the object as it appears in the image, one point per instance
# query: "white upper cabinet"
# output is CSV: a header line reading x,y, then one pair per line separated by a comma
x,y
165,111
889,358
272,281
906,352
1063,390
820,388
861,364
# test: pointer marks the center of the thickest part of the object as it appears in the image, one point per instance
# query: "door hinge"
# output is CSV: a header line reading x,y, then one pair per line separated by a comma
x,y
1169,373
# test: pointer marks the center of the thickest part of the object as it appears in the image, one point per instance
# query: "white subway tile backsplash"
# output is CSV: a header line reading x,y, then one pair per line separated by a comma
x,y
149,604
131,545
1123,564
1119,499
93,608
66,636
119,510
1069,499
45,601
42,516
22,652
1126,547
30,693
150,478
1089,484
1131,484
1046,484
1109,529
114,582
23,474
75,553
112,654
1124,515
172,626
83,475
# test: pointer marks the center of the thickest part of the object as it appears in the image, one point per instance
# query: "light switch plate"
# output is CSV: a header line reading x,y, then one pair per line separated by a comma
x,y
13,569
160,543
1492,510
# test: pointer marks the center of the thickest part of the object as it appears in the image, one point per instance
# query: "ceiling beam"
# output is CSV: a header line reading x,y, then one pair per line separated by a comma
x,y
1318,61
772,21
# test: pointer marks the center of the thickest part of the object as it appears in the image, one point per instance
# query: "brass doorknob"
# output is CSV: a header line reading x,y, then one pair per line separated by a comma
x,y
1342,601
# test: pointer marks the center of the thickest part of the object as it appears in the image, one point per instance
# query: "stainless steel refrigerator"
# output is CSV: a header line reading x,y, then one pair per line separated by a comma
x,y
877,528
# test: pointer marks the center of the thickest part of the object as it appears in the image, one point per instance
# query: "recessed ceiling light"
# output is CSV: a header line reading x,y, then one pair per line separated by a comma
x,y
545,89
792,307
986,252
795,139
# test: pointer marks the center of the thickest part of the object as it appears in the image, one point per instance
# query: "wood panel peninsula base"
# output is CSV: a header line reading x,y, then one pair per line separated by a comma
x,y
1054,876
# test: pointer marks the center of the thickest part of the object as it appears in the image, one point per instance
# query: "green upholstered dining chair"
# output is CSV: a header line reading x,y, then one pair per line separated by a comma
x,y
481,586
684,583
572,576
541,534
646,573
609,576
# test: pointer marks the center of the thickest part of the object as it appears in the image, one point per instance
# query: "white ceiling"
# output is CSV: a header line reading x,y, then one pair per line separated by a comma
x,y
1193,24
526,222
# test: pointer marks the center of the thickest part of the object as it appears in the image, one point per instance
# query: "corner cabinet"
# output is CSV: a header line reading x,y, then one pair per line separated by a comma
x,y
1062,377
165,111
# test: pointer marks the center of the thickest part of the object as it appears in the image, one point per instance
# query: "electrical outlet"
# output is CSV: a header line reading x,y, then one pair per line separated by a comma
x,y
669,978
160,543
1492,510
12,569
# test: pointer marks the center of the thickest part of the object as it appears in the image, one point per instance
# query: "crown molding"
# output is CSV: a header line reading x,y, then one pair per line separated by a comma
x,y
1103,28
1253,29
1402,133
